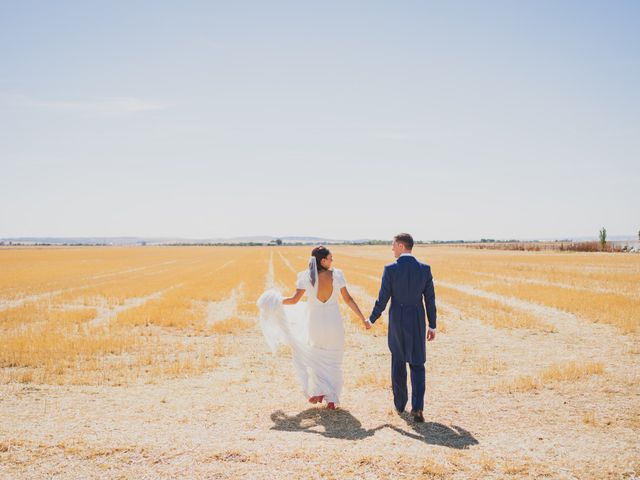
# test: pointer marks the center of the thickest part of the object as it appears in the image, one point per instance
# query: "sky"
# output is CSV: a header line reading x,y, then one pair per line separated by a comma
x,y
349,120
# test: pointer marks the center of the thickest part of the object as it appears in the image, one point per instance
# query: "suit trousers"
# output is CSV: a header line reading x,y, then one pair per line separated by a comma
x,y
399,384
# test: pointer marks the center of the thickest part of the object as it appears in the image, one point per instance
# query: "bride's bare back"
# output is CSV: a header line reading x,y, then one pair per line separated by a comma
x,y
325,285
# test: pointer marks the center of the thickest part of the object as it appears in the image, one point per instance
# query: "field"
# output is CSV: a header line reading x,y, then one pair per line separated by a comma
x,y
148,362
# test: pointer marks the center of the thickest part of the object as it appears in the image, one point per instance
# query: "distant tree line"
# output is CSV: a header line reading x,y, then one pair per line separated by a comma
x,y
513,244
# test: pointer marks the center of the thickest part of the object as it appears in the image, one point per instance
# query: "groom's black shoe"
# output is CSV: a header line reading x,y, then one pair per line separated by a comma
x,y
399,412
417,416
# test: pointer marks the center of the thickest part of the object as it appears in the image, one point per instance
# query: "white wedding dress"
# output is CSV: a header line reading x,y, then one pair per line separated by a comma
x,y
315,332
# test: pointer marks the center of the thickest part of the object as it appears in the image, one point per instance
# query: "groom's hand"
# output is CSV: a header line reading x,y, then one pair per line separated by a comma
x,y
431,334
367,324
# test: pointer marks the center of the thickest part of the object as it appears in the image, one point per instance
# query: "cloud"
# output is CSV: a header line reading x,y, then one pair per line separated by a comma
x,y
96,106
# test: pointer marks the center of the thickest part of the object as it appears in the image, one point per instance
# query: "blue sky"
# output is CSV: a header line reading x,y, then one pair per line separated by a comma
x,y
338,119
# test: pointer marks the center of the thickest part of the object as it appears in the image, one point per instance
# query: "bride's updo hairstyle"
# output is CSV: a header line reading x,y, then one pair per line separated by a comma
x,y
320,252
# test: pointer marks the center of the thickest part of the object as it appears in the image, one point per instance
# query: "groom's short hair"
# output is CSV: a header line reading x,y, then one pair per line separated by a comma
x,y
405,239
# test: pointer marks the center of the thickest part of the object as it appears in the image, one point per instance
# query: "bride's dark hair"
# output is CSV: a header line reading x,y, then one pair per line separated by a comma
x,y
320,252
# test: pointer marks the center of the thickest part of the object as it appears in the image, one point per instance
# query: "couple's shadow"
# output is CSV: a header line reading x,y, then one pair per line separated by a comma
x,y
341,424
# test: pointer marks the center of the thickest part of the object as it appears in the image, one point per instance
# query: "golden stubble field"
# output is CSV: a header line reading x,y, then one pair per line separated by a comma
x,y
148,362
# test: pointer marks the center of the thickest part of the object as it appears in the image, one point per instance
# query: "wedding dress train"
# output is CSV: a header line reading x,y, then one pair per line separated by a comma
x,y
315,332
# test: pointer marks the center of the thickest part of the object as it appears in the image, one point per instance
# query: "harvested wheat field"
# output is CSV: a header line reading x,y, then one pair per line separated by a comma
x,y
148,362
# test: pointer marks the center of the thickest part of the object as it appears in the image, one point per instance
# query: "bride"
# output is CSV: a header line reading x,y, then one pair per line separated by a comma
x,y
314,329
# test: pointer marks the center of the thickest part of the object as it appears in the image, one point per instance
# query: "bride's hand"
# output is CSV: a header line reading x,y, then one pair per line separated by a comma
x,y
367,323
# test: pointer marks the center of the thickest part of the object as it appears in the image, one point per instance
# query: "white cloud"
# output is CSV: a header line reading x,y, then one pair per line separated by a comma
x,y
96,106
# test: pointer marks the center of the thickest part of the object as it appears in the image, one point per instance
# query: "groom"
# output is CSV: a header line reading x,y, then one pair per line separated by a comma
x,y
407,282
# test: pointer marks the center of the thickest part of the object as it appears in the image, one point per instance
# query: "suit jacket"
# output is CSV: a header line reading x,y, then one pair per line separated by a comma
x,y
408,283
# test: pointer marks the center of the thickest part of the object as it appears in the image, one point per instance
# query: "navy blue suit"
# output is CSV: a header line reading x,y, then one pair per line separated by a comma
x,y
408,283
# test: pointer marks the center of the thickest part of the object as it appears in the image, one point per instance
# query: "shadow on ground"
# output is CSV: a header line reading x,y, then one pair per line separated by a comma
x,y
341,424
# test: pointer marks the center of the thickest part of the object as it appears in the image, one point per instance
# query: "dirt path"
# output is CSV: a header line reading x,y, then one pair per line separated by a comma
x,y
224,309
287,263
106,313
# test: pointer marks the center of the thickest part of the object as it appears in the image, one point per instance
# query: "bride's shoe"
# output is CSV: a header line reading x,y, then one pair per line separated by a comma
x,y
331,406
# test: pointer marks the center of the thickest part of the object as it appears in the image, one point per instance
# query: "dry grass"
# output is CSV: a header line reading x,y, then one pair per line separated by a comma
x,y
82,323
571,371
433,469
136,290
231,326
59,294
50,346
373,380
615,309
523,383
589,418
484,366
487,463
493,312
558,372
183,365
220,347
172,310
43,311
602,288
516,469
197,385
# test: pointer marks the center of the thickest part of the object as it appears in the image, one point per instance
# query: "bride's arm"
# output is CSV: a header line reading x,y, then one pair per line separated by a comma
x,y
348,299
295,299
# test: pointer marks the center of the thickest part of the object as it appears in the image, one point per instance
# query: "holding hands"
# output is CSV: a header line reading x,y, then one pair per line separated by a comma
x,y
367,324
